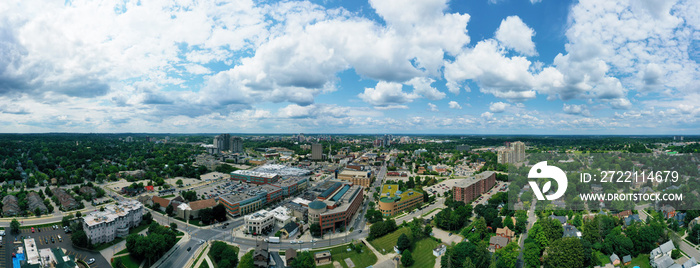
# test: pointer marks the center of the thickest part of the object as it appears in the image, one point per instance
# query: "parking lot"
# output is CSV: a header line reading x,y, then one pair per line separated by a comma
x,y
48,237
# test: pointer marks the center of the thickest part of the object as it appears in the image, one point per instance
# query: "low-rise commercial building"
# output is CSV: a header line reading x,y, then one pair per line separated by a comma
x,y
255,177
114,221
392,201
469,189
336,206
362,178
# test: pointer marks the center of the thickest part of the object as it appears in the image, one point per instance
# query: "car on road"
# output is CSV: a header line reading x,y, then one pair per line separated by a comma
x,y
91,261
189,248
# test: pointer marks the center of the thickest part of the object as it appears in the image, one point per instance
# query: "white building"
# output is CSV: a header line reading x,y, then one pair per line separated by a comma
x,y
264,220
114,221
259,222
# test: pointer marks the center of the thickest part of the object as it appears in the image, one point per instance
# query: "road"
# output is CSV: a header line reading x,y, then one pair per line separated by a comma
x,y
531,218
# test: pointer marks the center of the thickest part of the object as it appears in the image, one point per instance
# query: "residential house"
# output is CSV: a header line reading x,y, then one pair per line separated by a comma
x,y
561,219
497,242
690,263
35,201
668,211
632,219
66,201
10,206
614,259
627,260
623,214
439,250
505,232
289,230
571,231
261,256
661,257
88,190
680,218
289,255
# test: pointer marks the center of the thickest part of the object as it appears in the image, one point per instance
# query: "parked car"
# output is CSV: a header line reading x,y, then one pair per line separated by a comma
x,y
91,261
32,229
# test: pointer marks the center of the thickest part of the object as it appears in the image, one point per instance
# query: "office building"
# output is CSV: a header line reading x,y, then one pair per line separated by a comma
x,y
236,145
263,221
114,221
469,189
393,201
336,206
362,178
255,177
316,151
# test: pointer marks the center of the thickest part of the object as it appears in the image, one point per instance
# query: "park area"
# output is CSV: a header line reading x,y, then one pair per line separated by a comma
x,y
364,258
422,249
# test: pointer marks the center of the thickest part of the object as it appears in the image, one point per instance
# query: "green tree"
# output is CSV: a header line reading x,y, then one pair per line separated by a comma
x,y
531,255
173,227
407,258
304,259
403,242
169,210
247,260
219,212
14,226
179,182
147,218
37,212
118,263
205,215
80,239
508,255
566,252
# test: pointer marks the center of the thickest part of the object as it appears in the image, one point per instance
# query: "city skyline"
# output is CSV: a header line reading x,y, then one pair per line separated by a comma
x,y
503,67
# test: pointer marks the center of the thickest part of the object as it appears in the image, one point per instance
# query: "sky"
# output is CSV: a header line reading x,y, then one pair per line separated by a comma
x,y
330,66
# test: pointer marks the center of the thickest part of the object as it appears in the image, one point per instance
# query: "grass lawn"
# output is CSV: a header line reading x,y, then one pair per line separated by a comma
x,y
129,262
101,246
385,244
605,259
204,265
642,260
423,253
340,253
168,196
212,257
122,252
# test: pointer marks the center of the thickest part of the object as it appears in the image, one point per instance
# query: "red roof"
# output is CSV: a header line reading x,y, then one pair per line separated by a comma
x,y
149,188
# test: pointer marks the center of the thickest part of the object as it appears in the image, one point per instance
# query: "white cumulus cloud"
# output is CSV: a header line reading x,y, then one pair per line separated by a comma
x,y
515,34
454,105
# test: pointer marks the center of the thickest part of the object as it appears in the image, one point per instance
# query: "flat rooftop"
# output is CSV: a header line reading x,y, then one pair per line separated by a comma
x,y
282,170
254,173
345,200
469,181
352,172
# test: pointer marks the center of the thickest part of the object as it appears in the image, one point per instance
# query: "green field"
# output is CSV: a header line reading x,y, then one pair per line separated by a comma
x,y
385,244
204,265
129,262
423,253
340,253
602,258
642,260
123,251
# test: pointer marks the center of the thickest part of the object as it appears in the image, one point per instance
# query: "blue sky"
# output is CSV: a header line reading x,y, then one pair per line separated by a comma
x,y
390,66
